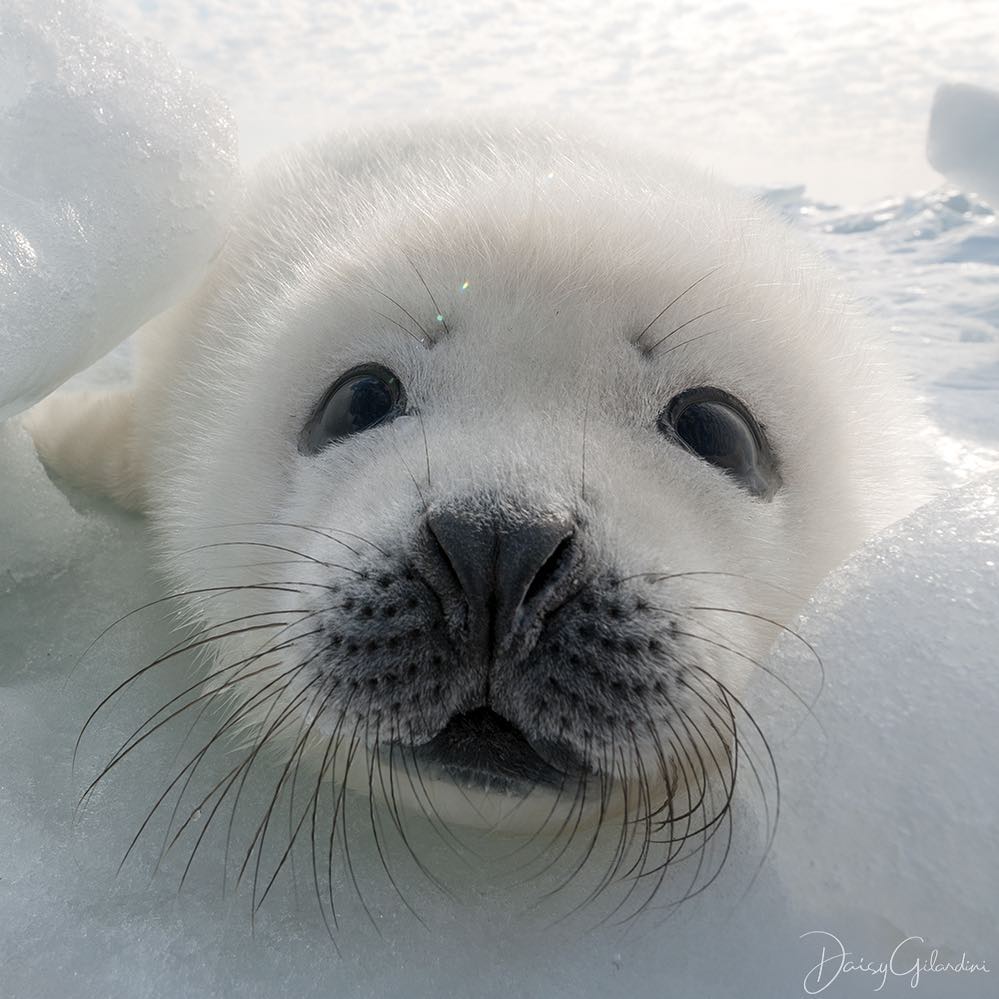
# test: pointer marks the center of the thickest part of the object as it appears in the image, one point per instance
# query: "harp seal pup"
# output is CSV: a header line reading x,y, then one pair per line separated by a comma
x,y
515,444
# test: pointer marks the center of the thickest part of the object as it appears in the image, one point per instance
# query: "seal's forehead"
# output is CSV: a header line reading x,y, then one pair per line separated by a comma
x,y
563,273
528,278
514,229
580,234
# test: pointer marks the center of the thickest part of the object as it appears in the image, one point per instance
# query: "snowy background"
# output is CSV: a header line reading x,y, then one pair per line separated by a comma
x,y
835,94
890,796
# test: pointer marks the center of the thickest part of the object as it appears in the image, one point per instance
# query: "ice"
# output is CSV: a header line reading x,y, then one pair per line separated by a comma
x,y
117,173
892,815
963,142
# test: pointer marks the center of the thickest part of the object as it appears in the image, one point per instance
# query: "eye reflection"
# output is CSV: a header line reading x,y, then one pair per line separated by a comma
x,y
362,398
715,426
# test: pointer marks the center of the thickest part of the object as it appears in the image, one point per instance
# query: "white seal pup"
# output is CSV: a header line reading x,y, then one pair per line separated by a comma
x,y
500,452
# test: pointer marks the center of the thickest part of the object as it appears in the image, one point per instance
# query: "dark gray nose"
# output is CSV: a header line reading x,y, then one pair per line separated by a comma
x,y
502,567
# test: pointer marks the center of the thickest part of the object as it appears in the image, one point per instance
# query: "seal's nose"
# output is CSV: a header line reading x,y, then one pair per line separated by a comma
x,y
502,568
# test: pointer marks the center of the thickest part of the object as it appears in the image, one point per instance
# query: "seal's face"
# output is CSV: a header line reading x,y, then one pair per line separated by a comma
x,y
521,622
523,482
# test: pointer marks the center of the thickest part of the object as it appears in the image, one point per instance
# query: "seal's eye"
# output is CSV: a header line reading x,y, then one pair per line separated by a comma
x,y
358,400
717,427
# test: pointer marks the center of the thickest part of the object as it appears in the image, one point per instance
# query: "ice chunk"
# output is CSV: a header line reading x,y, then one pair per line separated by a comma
x,y
117,174
890,816
963,142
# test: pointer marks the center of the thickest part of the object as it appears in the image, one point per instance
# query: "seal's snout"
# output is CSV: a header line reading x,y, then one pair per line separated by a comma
x,y
500,646
506,573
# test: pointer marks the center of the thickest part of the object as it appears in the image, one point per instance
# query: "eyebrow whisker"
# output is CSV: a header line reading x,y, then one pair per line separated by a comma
x,y
690,287
405,329
409,315
662,340
433,301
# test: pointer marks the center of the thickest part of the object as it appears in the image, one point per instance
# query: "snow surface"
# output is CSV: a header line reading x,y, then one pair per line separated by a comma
x,y
117,171
889,796
927,266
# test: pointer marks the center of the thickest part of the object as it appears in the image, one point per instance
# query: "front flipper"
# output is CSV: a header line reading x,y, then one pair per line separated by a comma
x,y
88,438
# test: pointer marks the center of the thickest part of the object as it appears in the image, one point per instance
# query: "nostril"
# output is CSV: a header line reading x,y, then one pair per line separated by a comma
x,y
497,564
464,553
555,562
466,549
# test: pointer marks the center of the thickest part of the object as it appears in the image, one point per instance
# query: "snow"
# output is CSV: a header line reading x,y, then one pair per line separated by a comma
x,y
925,265
112,161
889,792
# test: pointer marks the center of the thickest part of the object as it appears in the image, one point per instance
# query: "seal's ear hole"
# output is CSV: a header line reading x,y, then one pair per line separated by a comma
x,y
358,400
712,424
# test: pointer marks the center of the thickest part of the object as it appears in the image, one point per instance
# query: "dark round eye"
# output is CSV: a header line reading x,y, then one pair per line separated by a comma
x,y
714,425
360,399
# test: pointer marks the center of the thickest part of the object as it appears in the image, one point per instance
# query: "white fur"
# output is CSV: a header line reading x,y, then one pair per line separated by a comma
x,y
570,244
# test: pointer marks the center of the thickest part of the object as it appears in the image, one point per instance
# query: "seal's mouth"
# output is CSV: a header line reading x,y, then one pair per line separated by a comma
x,y
484,749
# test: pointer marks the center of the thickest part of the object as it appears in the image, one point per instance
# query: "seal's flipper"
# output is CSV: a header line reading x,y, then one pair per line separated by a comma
x,y
88,439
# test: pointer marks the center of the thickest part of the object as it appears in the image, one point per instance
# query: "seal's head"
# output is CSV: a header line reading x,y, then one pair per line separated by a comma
x,y
506,453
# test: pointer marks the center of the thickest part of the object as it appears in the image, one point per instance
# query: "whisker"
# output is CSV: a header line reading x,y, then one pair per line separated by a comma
x,y
638,339
683,326
179,595
294,759
374,758
409,315
279,548
426,446
398,325
433,301
158,662
330,533
777,624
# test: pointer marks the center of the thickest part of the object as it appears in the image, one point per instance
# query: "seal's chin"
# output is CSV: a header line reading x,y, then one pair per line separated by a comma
x,y
482,749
